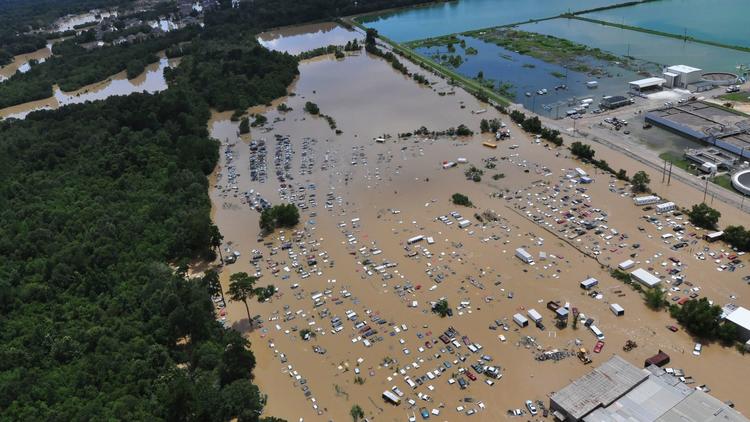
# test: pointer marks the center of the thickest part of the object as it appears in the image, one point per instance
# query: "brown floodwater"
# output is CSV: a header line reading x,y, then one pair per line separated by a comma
x,y
151,80
21,62
397,189
296,39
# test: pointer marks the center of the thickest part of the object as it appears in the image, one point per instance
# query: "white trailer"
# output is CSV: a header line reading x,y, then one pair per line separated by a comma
x,y
524,256
390,397
464,223
617,309
581,172
414,239
646,200
666,207
626,265
534,315
589,283
520,320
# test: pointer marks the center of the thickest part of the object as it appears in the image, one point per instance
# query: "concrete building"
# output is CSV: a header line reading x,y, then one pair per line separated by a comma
x,y
617,391
680,76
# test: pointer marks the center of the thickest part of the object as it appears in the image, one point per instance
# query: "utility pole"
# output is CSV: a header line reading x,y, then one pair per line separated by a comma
x,y
669,179
705,191
664,171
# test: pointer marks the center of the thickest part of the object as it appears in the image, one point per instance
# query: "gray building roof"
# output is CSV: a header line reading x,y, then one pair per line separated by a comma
x,y
701,407
658,397
599,388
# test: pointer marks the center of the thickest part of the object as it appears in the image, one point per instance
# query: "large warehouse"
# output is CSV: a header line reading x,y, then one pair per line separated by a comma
x,y
680,76
617,391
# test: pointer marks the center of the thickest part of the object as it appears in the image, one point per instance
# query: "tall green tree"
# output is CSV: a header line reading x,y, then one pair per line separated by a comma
x,y
216,239
212,284
640,181
242,288
704,216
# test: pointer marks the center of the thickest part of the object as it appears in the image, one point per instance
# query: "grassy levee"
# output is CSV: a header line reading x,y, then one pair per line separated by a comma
x,y
659,33
468,84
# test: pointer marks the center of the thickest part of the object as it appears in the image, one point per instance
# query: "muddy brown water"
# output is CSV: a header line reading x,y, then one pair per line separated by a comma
x,y
296,39
368,99
151,80
21,61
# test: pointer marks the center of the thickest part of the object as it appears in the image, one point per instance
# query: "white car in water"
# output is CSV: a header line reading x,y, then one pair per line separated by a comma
x,y
697,349
531,407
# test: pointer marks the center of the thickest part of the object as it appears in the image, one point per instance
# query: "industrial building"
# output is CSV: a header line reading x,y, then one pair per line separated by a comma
x,y
708,123
681,76
713,156
617,391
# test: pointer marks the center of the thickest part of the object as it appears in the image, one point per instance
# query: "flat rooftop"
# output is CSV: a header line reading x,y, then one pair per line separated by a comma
x,y
701,121
741,317
681,68
653,395
600,387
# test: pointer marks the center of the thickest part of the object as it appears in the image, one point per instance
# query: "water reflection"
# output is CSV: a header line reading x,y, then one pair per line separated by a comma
x,y
295,40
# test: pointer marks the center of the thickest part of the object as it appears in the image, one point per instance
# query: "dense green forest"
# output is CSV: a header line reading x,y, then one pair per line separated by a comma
x,y
73,67
20,16
97,200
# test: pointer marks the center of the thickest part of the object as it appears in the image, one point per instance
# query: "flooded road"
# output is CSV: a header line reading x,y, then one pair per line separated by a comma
x,y
21,62
151,80
364,192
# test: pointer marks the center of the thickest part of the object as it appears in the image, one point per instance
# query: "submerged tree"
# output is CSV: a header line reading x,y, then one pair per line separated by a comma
x,y
655,298
640,181
441,308
357,413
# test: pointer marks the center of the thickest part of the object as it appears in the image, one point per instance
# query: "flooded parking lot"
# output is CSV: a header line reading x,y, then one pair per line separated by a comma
x,y
379,242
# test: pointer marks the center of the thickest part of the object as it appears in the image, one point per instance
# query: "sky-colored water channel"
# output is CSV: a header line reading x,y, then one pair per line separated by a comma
x,y
464,15
723,21
653,48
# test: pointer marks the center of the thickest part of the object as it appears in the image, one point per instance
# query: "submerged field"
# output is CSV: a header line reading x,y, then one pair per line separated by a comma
x,y
514,63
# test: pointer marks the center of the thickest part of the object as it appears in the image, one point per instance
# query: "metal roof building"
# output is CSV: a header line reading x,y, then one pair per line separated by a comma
x,y
617,391
599,388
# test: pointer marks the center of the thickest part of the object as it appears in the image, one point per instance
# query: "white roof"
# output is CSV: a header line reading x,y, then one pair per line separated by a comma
x,y
626,264
741,317
645,83
681,68
670,74
646,277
